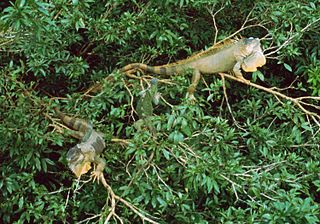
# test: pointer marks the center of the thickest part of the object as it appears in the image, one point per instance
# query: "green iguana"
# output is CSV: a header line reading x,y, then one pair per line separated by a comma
x,y
88,150
147,97
144,106
245,53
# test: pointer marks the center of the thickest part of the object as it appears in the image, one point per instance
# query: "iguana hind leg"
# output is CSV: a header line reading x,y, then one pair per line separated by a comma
x,y
130,73
192,88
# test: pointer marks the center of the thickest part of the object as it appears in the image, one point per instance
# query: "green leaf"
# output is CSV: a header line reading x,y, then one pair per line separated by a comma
x,y
259,75
22,3
215,186
44,11
288,67
267,216
75,2
312,5
209,185
44,165
166,154
171,119
21,202
178,137
306,126
38,163
186,130
162,202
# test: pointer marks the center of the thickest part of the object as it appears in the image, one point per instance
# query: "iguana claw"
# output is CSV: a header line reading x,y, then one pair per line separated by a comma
x,y
246,81
96,174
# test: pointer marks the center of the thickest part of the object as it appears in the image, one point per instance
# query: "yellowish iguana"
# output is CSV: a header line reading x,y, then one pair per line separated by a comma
x,y
88,150
243,54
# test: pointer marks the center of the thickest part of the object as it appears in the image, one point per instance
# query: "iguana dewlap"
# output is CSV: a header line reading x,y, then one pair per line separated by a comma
x,y
232,56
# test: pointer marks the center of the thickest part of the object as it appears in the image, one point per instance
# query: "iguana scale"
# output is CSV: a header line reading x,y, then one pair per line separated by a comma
x,y
88,150
245,53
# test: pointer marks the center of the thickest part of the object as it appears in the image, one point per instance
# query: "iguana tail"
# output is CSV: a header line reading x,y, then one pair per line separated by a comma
x,y
80,126
161,70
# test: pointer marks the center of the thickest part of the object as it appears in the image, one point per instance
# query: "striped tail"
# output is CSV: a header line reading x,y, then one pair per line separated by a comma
x,y
81,127
161,70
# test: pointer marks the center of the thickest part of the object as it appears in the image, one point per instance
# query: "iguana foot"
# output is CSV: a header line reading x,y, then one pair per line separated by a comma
x,y
96,175
246,81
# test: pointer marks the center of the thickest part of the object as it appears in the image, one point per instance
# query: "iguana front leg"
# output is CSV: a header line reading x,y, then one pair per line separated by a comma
x,y
237,71
99,165
192,88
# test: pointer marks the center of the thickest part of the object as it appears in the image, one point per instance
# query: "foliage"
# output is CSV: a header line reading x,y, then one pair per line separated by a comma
x,y
255,162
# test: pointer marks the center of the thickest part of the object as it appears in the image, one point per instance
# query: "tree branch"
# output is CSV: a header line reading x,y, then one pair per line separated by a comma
x,y
213,15
287,42
296,101
115,198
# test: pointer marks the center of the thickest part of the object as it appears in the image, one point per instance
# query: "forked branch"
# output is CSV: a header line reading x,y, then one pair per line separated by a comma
x,y
299,102
292,36
115,198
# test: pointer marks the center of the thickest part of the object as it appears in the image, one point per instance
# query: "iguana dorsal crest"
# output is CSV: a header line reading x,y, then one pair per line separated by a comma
x,y
211,50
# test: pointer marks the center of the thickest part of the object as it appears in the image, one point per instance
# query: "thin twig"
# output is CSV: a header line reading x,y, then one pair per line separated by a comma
x,y
242,29
287,42
142,168
227,102
131,101
295,101
88,219
213,15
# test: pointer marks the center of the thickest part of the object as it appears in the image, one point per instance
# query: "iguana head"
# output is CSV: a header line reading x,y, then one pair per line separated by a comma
x,y
255,57
252,44
78,162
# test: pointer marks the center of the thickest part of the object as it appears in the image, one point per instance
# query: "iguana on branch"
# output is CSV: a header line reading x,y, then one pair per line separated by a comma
x,y
88,150
144,107
245,53
147,98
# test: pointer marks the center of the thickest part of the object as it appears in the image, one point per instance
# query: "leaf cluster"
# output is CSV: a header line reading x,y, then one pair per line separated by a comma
x,y
248,159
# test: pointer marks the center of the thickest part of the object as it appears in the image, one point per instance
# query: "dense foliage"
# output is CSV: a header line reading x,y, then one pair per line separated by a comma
x,y
255,162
